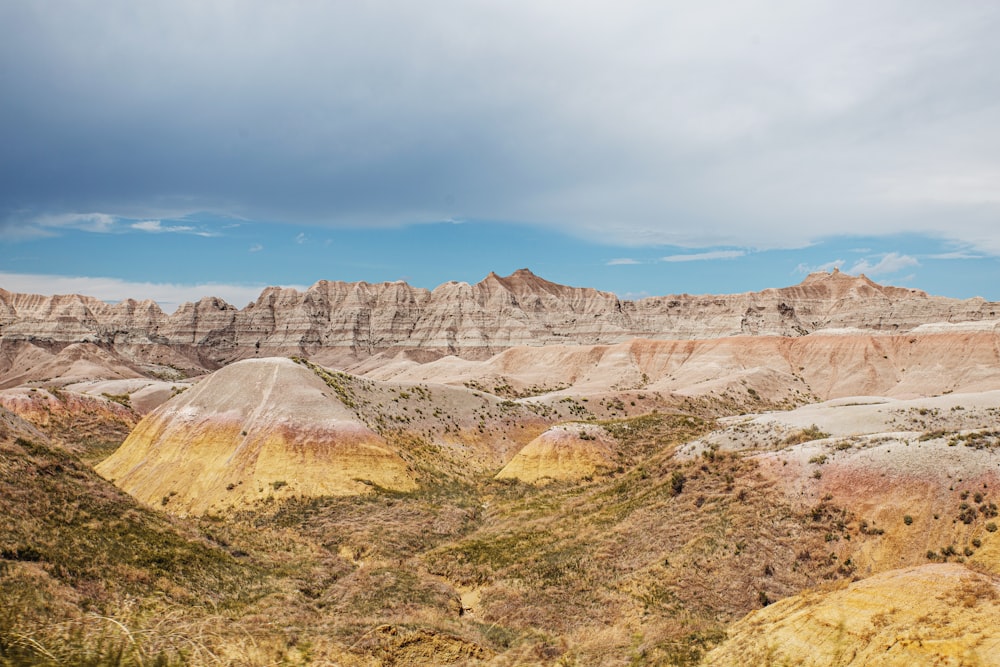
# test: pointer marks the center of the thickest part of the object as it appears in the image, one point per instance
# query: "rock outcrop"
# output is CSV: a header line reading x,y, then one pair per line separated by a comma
x,y
776,368
337,322
255,429
564,452
942,614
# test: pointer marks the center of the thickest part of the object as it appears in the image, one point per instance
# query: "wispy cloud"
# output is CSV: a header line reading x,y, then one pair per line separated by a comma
x,y
957,254
828,266
878,265
622,261
704,256
88,222
256,247
168,295
887,264
301,238
157,227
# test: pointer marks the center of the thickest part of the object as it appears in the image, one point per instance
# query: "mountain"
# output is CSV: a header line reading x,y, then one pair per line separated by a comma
x,y
338,323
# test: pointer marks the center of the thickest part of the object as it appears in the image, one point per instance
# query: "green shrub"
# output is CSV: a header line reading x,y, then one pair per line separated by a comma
x,y
677,480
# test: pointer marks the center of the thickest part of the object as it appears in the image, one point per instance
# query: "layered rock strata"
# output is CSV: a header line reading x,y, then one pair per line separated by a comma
x,y
336,322
255,429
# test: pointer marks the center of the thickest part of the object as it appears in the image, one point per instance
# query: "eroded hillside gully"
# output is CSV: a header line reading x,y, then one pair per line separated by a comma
x,y
511,472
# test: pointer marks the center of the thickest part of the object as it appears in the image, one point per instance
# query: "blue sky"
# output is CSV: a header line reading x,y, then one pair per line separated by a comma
x,y
175,149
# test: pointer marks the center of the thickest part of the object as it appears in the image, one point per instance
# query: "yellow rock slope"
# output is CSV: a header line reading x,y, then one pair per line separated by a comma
x,y
564,452
253,429
940,614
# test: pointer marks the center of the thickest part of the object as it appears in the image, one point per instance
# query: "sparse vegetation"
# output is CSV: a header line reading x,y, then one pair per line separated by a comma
x,y
88,576
805,435
121,399
682,538
340,383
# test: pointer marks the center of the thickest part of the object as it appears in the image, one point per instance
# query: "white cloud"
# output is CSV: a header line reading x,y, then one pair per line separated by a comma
x,y
889,263
301,238
256,247
168,295
89,222
622,261
957,254
704,256
829,266
157,227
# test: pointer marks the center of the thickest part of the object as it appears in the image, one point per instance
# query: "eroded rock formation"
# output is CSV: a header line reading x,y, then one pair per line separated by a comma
x,y
338,322
254,429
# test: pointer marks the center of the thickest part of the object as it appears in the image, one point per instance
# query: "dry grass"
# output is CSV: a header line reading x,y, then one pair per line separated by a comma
x,y
89,577
645,565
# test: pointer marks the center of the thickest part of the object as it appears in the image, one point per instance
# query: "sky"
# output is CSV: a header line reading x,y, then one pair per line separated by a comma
x,y
176,149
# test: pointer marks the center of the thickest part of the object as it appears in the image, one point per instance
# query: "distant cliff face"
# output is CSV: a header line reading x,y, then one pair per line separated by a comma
x,y
336,320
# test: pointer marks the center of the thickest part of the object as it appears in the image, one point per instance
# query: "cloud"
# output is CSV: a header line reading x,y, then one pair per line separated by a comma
x,y
957,254
622,261
654,123
89,222
829,266
704,256
256,247
168,295
157,227
887,264
301,238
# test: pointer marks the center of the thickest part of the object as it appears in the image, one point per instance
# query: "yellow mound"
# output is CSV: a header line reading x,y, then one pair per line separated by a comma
x,y
564,452
928,615
253,429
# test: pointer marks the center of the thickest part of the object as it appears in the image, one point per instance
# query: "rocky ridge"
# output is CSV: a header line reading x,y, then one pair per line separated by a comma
x,y
337,322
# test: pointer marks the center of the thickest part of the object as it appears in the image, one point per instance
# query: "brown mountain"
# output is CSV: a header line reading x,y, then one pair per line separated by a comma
x,y
337,323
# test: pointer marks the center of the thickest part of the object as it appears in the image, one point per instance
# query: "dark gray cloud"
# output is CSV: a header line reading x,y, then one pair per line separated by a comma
x,y
702,123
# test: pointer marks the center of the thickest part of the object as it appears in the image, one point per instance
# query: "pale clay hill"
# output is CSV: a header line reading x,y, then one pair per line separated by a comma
x,y
336,323
253,429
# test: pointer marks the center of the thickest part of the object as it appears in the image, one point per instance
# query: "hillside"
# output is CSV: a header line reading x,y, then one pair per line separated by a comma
x,y
587,498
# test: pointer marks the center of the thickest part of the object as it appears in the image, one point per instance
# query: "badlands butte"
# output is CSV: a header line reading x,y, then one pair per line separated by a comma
x,y
512,472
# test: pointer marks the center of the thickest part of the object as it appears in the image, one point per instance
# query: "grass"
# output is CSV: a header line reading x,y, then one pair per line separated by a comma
x,y
647,564
84,568
805,435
